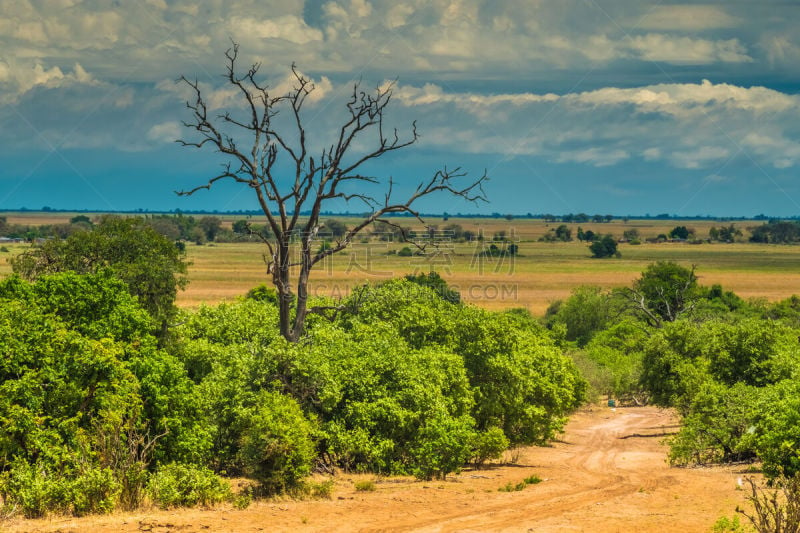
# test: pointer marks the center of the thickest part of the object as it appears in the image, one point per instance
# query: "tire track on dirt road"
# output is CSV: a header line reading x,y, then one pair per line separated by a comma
x,y
596,464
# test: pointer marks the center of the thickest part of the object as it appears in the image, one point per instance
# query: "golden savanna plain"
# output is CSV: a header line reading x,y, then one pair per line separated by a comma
x,y
540,274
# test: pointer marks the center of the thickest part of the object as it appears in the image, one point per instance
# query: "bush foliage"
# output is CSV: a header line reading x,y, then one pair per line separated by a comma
x,y
97,413
729,366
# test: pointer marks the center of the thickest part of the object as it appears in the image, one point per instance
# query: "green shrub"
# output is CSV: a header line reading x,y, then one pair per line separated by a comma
x,y
442,447
263,293
516,487
320,490
775,433
487,445
588,310
364,486
276,443
599,379
434,281
36,490
513,487
33,491
383,406
178,485
728,525
242,501
604,247
95,491
520,380
716,426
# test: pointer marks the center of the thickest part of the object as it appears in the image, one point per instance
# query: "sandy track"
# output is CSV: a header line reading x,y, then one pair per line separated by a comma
x,y
608,474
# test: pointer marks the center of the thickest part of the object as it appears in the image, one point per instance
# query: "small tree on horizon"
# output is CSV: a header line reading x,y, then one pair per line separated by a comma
x,y
604,247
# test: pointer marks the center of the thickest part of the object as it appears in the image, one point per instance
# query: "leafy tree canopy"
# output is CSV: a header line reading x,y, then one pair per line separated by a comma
x,y
605,247
151,265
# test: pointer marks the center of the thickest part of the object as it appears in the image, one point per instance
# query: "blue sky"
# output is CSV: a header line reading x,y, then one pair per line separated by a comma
x,y
597,106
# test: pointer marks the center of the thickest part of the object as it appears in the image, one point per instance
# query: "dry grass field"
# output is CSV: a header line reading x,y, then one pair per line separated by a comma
x,y
541,274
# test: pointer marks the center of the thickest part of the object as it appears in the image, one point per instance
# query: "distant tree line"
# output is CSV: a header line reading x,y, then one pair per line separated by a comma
x,y
200,230
776,231
578,218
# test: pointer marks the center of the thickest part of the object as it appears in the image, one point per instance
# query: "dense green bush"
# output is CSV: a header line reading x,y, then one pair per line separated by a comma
x,y
176,485
520,381
775,434
588,310
149,264
263,293
383,405
604,247
715,428
442,446
401,383
87,401
434,281
95,413
96,306
277,446
665,292
487,445
684,355
732,376
37,488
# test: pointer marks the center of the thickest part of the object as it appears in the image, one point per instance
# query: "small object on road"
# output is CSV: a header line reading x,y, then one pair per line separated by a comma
x,y
612,402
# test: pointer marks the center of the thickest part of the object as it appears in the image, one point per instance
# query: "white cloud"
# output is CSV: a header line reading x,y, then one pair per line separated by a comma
x,y
32,32
288,28
321,87
780,49
398,15
598,157
780,151
687,126
166,132
700,157
463,55
651,154
124,98
688,50
686,18
226,96
667,98
434,94
20,78
690,98
470,38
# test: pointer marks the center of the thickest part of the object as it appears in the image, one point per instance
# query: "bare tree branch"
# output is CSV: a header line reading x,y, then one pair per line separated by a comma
x,y
313,181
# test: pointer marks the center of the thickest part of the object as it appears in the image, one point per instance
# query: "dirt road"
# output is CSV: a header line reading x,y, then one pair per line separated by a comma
x,y
608,474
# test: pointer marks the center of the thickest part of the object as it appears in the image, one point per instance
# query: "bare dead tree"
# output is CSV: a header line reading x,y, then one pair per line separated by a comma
x,y
312,181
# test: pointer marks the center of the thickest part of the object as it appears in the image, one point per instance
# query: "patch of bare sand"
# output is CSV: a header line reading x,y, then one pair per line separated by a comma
x,y
607,474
